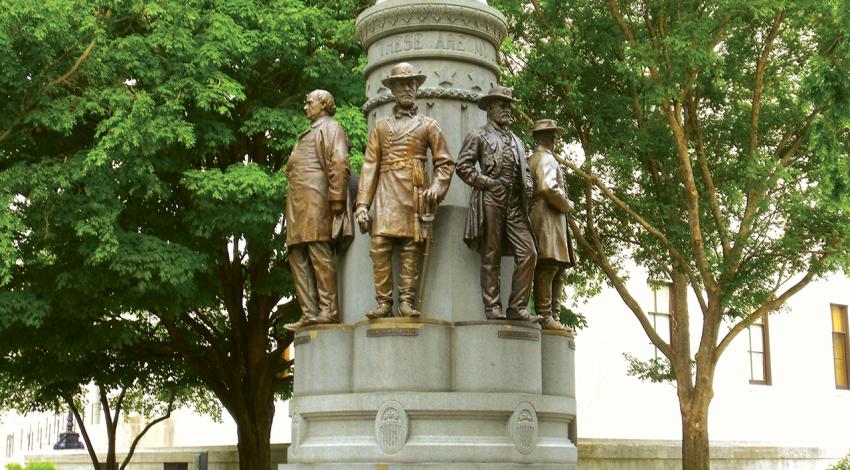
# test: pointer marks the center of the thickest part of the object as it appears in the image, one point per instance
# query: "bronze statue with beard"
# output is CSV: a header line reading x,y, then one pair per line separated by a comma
x,y
393,184
498,219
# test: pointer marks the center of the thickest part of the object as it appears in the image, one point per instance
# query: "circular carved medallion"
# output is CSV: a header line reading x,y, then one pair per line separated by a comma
x,y
297,433
523,428
391,426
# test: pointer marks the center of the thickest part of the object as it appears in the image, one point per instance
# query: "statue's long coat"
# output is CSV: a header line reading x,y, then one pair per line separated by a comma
x,y
387,178
549,206
483,147
317,174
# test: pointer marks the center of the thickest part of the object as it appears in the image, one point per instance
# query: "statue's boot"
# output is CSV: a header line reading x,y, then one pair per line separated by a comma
x,y
494,313
521,314
305,320
550,323
327,318
382,311
381,253
408,279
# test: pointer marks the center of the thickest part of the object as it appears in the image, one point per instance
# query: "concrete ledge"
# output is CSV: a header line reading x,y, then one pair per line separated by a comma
x,y
628,454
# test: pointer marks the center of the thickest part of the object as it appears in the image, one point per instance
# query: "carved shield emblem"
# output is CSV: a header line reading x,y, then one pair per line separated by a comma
x,y
391,426
523,428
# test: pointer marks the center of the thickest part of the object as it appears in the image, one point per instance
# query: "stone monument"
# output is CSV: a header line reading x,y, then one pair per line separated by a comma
x,y
448,389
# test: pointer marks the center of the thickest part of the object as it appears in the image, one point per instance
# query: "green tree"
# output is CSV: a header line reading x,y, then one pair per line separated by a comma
x,y
715,143
141,154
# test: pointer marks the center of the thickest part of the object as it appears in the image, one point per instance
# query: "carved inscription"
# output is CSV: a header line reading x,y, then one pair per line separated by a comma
x,y
400,43
444,41
521,335
379,332
299,340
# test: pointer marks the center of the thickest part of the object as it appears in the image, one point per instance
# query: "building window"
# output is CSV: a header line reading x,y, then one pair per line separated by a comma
x,y
10,445
660,313
759,351
840,346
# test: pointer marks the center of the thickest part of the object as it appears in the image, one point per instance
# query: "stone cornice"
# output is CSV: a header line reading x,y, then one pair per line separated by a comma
x,y
394,16
425,93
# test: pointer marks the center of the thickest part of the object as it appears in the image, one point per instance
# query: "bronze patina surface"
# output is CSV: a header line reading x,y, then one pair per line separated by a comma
x,y
318,210
394,186
492,161
550,208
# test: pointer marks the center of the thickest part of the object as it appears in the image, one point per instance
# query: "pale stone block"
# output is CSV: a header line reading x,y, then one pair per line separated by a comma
x,y
323,363
402,354
497,356
559,375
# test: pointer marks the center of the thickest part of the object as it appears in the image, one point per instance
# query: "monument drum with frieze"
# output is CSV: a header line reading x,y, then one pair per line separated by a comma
x,y
437,386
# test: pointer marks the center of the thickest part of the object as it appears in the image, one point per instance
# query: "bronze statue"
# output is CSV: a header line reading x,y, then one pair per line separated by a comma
x,y
550,209
318,210
498,208
394,184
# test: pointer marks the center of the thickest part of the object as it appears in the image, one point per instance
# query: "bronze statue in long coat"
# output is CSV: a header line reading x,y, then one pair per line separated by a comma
x,y
393,184
318,210
492,161
550,212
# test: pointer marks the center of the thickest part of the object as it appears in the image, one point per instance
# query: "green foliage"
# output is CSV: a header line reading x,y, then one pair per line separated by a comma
x,y
656,370
622,86
142,156
31,466
843,464
707,143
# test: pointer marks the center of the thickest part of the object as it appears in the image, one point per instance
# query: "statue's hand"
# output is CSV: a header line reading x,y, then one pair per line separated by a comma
x,y
361,215
337,207
431,195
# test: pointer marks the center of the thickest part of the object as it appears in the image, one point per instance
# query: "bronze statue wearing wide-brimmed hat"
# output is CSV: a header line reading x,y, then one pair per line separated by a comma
x,y
550,212
498,208
394,184
497,93
403,71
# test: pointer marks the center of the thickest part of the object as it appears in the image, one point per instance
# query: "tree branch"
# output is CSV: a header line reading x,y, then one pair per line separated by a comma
x,y
83,431
778,301
144,431
758,85
691,196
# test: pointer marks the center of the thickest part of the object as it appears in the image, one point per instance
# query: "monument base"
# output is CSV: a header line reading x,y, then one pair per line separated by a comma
x,y
464,430
425,466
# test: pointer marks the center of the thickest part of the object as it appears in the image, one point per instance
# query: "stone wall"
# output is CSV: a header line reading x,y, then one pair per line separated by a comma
x,y
594,454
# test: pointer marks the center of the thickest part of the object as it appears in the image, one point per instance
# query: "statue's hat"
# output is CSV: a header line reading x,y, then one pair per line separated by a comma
x,y
403,71
543,125
498,92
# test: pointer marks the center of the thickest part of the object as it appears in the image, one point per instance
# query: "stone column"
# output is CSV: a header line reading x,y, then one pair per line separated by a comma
x,y
455,43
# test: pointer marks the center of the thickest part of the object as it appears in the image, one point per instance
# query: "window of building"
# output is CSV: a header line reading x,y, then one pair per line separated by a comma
x,y
660,312
759,351
840,346
10,445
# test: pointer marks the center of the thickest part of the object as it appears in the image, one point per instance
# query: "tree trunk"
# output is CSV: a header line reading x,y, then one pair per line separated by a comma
x,y
695,446
254,434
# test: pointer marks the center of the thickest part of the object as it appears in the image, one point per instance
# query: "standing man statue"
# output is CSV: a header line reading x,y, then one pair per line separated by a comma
x,y
318,214
550,209
394,184
498,208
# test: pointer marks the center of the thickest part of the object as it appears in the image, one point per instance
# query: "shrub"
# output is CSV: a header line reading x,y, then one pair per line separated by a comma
x,y
31,466
843,464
